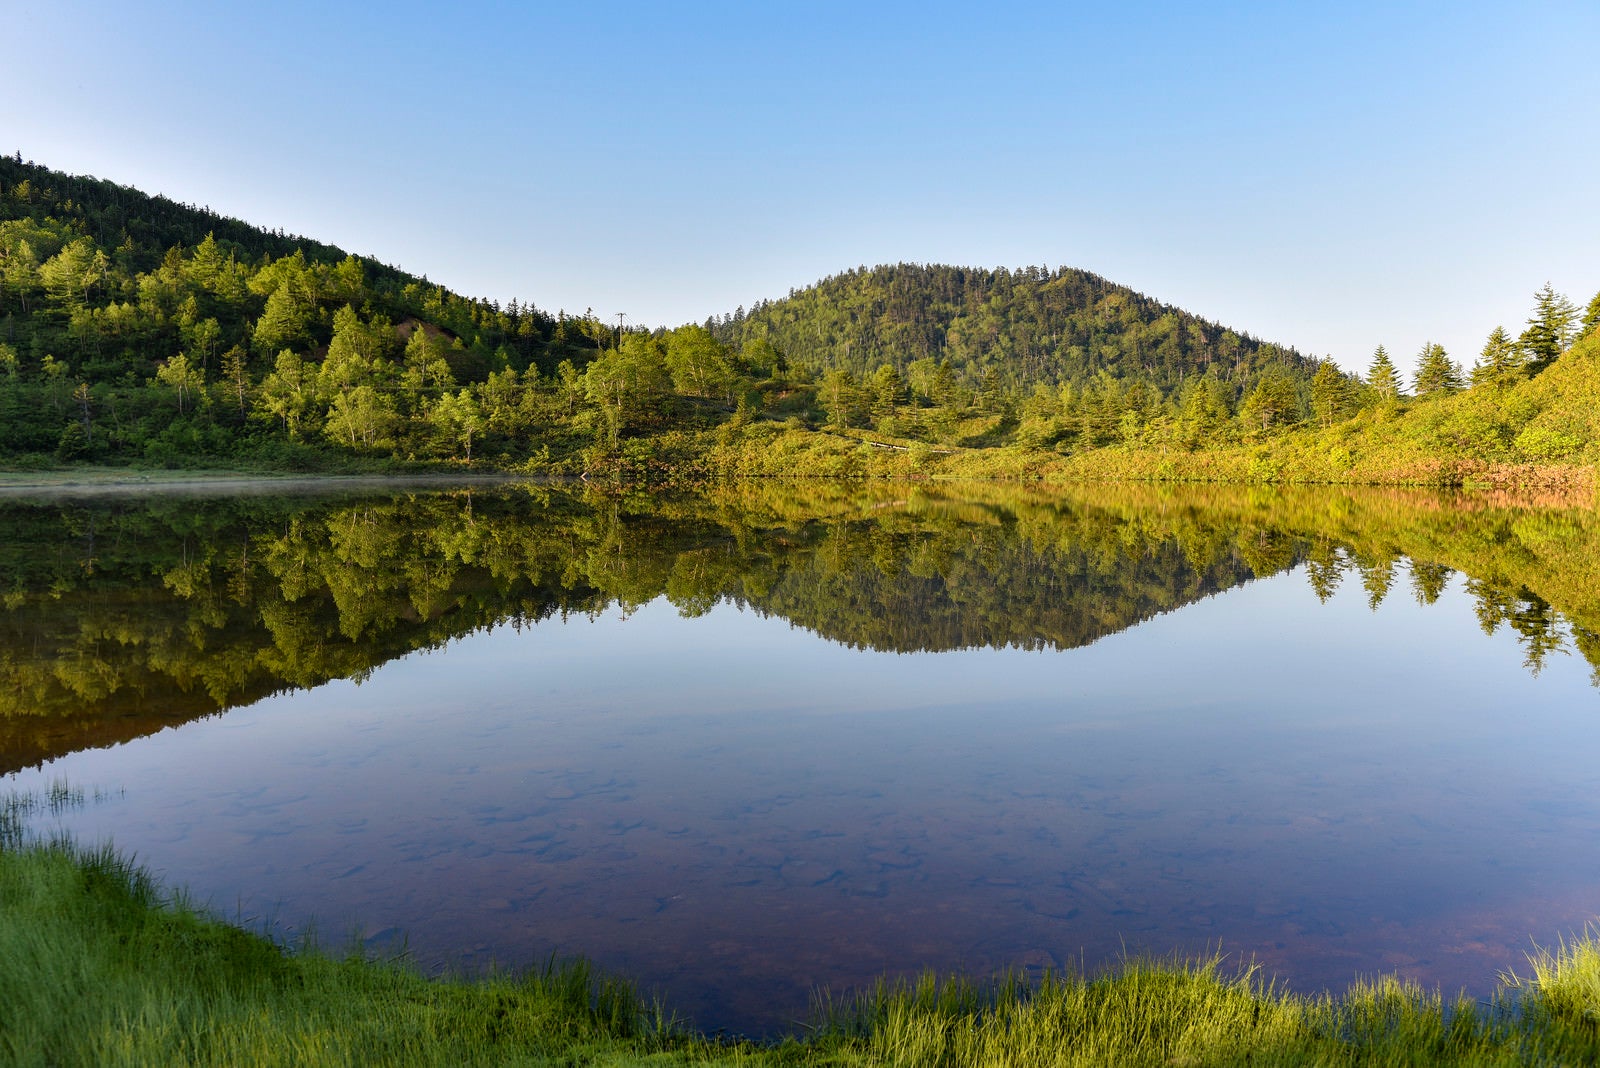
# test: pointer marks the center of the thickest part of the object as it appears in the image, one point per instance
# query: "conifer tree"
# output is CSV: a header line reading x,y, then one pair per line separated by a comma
x,y
1272,403
1330,394
284,321
1500,363
1550,330
1436,371
889,392
1382,378
1591,317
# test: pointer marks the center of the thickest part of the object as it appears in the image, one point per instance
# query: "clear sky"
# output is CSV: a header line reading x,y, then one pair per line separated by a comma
x,y
1330,176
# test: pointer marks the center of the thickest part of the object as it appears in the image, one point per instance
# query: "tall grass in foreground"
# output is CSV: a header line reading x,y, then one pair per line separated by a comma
x,y
1172,1013
98,967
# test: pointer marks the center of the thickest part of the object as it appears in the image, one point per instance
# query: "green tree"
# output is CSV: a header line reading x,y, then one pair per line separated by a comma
x,y
286,320
206,266
287,392
19,273
201,339
348,280
1204,409
55,374
840,397
84,399
361,418
1042,403
992,391
1273,403
944,391
1550,329
569,385
180,375
629,385
889,393
424,368
1330,394
507,401
1382,378
1500,363
70,274
761,356
1591,317
1436,372
698,363
235,385
459,419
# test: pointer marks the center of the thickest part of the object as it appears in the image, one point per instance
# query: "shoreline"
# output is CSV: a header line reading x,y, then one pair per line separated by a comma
x,y
138,952
121,481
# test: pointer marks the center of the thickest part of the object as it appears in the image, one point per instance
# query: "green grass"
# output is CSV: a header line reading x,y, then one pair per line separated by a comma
x,y
99,967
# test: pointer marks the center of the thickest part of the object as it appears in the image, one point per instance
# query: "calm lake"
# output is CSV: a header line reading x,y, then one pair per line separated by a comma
x,y
740,746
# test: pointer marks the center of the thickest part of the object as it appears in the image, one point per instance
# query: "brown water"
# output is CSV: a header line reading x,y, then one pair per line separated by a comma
x,y
592,727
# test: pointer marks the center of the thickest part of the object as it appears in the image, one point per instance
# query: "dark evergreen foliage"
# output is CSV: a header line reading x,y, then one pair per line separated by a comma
x,y
1003,330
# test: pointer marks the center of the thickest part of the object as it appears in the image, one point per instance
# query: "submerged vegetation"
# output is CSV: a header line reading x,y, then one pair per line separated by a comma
x,y
102,967
138,331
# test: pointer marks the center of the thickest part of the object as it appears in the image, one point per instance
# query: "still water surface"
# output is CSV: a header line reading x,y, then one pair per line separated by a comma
x,y
734,810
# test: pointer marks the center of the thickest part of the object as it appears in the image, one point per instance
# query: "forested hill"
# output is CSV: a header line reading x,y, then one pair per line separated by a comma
x,y
139,227
1004,330
114,281
137,330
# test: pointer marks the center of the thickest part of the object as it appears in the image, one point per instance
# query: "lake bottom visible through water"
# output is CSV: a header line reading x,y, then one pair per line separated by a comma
x,y
734,812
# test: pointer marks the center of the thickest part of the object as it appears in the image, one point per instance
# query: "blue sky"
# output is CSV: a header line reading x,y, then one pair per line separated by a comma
x,y
1329,176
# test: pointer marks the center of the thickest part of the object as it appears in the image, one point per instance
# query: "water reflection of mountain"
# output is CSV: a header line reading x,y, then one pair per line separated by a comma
x,y
120,617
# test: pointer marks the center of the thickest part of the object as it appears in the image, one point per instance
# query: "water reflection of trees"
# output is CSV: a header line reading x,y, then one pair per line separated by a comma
x,y
119,617
1539,628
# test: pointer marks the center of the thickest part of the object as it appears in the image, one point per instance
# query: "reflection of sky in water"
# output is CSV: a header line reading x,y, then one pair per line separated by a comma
x,y
733,811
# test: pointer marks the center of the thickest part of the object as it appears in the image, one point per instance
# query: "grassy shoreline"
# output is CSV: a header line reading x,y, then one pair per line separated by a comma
x,y
102,967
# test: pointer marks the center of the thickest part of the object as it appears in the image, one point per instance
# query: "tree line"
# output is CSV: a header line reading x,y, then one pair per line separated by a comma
x,y
136,329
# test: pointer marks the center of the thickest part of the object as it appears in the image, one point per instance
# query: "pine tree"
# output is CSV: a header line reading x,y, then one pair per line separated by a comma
x,y
889,393
1330,394
1550,330
70,274
1436,372
1272,403
1500,363
1382,378
1591,317
284,321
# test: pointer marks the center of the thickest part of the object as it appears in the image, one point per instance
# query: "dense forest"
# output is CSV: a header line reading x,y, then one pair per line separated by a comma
x,y
134,330
1001,331
122,615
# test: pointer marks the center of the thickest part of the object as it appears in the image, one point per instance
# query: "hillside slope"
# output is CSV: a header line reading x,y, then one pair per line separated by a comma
x,y
1013,328
1539,431
113,281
